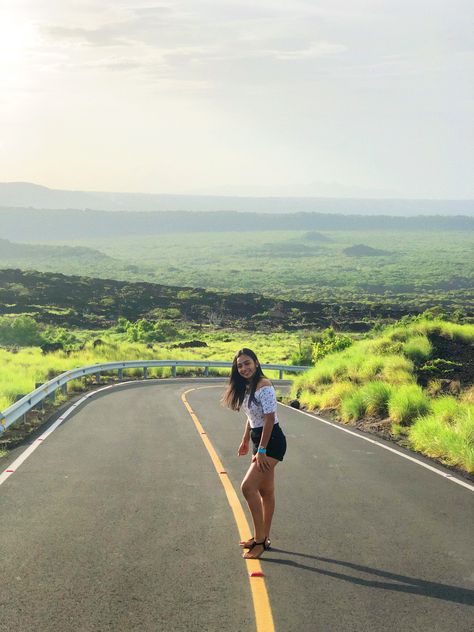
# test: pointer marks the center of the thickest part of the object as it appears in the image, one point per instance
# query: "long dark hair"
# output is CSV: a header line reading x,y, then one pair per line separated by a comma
x,y
237,385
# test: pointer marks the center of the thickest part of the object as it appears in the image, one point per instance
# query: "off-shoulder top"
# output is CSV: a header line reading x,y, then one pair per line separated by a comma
x,y
264,402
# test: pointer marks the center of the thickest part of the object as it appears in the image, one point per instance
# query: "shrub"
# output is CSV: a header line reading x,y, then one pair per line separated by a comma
x,y
397,369
151,331
370,368
332,396
434,388
406,403
375,396
329,342
448,409
418,349
23,331
303,355
353,407
310,400
453,442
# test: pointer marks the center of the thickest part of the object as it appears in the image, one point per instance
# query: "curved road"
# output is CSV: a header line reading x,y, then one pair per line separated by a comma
x,y
119,521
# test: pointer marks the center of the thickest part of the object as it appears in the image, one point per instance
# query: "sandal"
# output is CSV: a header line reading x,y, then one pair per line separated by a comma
x,y
263,544
249,544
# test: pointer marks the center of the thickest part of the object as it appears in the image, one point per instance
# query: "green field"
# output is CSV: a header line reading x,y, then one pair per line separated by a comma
x,y
423,268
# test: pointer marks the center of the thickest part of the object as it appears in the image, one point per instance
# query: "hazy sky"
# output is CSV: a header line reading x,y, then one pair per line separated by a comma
x,y
331,97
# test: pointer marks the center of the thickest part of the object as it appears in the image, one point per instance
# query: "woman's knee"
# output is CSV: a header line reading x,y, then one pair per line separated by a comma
x,y
244,486
247,488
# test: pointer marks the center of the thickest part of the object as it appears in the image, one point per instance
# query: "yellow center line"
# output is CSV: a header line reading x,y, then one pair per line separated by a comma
x,y
261,602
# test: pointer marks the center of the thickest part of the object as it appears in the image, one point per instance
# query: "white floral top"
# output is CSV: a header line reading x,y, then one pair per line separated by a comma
x,y
264,402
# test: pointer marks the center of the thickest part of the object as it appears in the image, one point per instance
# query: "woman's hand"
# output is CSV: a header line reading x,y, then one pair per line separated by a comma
x,y
243,448
263,464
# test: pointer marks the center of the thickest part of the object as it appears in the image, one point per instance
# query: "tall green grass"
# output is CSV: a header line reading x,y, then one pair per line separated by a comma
x,y
408,402
370,400
376,377
20,371
418,349
447,433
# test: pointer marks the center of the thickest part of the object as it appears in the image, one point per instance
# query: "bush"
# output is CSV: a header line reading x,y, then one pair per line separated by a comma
x,y
303,356
151,331
418,349
310,400
60,335
453,442
333,396
353,407
23,331
375,396
397,369
329,342
406,403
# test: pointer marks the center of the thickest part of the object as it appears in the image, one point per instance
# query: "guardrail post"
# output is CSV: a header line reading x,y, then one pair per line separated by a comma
x,y
145,372
206,371
120,374
174,370
281,374
64,389
37,385
97,377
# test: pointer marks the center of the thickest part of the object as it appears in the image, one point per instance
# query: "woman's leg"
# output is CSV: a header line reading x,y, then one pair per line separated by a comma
x,y
267,492
252,486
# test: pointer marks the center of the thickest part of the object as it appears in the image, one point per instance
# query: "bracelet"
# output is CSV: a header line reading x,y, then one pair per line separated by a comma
x,y
262,450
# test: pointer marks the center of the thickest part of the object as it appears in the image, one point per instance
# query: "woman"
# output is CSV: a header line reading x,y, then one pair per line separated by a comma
x,y
250,390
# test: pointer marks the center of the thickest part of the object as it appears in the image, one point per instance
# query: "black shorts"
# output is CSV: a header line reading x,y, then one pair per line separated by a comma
x,y
276,446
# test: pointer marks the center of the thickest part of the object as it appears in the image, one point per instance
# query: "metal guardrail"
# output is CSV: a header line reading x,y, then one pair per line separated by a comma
x,y
26,403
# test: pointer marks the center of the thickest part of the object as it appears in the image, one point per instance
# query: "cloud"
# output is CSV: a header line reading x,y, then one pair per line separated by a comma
x,y
104,36
315,49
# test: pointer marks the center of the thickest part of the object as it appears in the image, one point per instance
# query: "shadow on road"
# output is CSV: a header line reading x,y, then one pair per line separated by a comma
x,y
405,583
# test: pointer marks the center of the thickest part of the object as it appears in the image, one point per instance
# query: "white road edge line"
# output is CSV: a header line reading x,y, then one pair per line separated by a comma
x,y
385,447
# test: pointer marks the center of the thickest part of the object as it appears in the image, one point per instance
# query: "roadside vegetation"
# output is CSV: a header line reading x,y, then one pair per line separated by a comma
x,y
24,364
412,381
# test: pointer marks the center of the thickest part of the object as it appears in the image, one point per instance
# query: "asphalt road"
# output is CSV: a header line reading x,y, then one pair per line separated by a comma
x,y
118,521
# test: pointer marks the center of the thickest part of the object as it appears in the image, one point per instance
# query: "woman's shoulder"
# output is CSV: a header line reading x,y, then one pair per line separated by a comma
x,y
264,382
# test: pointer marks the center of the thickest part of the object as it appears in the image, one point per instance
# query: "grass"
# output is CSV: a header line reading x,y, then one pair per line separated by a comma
x,y
418,349
407,403
20,371
376,377
447,433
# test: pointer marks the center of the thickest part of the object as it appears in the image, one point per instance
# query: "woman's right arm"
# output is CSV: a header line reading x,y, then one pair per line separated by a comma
x,y
244,446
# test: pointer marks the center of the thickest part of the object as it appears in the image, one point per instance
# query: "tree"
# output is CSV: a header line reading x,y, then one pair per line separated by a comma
x,y
22,330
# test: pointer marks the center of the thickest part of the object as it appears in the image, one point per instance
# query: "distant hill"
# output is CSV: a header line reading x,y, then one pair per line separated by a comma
x,y
43,225
361,250
316,237
25,252
28,195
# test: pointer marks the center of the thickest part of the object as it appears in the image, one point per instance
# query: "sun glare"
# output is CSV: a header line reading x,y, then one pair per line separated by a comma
x,y
16,34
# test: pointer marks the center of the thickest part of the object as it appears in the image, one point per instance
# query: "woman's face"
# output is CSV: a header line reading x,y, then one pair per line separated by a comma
x,y
246,366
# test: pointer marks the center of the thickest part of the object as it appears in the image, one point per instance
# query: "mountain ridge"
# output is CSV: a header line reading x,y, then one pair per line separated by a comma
x,y
31,195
